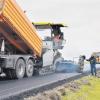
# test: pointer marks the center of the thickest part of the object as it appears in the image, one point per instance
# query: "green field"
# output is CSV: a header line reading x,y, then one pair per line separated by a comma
x,y
87,88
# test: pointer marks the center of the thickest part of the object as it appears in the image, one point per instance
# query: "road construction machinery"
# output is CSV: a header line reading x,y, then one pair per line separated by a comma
x,y
53,41
22,49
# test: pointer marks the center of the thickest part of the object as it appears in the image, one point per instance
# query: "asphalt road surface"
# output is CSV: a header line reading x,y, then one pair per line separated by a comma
x,y
13,87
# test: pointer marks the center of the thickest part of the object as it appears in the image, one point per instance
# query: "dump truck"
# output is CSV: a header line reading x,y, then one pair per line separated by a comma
x,y
22,49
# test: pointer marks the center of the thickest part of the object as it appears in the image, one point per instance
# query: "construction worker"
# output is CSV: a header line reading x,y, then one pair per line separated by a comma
x,y
92,61
81,63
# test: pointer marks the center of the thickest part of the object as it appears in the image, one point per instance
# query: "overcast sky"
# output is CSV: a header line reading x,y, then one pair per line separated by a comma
x,y
82,17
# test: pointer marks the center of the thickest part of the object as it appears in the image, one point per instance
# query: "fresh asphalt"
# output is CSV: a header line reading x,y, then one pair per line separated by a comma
x,y
14,87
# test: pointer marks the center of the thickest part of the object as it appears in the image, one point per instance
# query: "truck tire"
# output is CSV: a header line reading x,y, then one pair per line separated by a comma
x,y
20,68
29,68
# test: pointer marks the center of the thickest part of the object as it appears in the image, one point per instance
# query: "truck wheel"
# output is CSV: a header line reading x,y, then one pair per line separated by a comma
x,y
29,68
20,68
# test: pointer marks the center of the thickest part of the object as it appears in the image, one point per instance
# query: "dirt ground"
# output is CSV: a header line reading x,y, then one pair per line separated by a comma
x,y
86,88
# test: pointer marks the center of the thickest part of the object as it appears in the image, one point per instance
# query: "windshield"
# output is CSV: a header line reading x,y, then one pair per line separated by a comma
x,y
44,33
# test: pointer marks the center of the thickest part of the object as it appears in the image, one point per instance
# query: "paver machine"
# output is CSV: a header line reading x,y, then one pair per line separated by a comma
x,y
53,41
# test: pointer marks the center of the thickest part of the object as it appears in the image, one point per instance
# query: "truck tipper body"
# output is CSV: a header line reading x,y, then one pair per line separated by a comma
x,y
23,51
17,29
